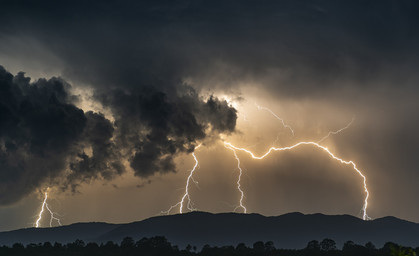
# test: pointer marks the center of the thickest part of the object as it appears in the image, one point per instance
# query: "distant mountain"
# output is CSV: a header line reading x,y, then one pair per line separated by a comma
x,y
293,230
85,231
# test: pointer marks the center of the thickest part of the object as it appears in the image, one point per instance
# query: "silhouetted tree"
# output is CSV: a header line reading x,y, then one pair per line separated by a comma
x,y
110,245
31,246
269,246
18,246
370,249
386,250
402,251
327,245
313,245
259,247
92,247
206,250
58,245
350,248
312,248
127,243
370,246
188,248
78,243
47,245
156,246
242,249
175,248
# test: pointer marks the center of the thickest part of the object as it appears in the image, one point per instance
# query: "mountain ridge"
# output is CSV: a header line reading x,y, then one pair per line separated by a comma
x,y
291,230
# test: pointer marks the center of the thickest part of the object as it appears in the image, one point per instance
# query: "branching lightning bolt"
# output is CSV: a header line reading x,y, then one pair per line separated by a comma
x,y
325,149
186,195
338,131
277,117
45,206
241,205
238,180
228,145
52,216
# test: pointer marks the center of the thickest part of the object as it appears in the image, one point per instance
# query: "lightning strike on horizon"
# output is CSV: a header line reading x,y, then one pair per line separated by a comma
x,y
241,205
365,206
189,205
338,131
45,205
238,181
274,143
228,145
42,210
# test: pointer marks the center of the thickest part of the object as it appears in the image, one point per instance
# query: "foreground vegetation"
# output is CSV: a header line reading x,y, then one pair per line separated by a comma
x,y
160,246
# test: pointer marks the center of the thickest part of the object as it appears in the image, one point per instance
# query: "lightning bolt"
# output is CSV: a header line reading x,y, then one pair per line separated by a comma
x,y
338,131
325,149
277,117
45,206
238,180
52,217
241,205
228,145
42,209
186,195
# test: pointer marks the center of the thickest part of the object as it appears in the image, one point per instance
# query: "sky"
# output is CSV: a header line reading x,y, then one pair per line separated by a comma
x,y
104,102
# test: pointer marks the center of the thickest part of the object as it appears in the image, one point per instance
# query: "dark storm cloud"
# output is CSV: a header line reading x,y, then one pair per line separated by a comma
x,y
172,124
43,135
40,131
104,160
293,47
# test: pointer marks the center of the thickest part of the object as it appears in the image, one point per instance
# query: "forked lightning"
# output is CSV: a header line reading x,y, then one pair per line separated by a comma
x,y
186,195
233,148
43,207
325,149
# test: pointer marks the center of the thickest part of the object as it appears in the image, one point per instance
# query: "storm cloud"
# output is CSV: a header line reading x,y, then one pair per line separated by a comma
x,y
173,124
44,138
290,48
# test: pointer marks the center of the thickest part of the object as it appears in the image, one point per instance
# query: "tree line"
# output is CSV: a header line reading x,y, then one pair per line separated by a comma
x,y
159,245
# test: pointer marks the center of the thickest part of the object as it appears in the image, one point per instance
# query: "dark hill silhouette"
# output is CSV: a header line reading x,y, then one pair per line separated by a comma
x,y
292,230
84,231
